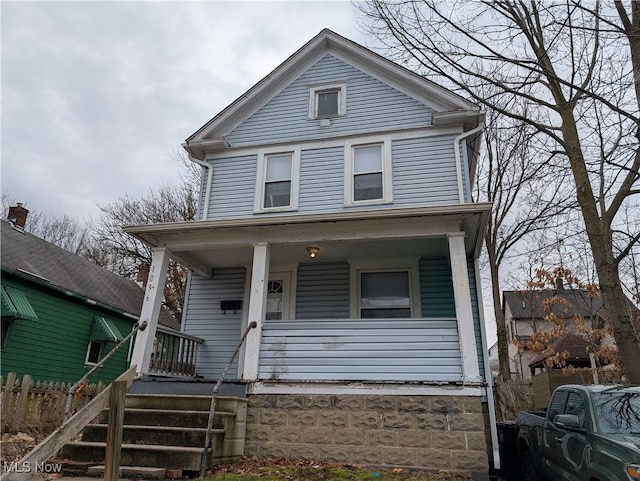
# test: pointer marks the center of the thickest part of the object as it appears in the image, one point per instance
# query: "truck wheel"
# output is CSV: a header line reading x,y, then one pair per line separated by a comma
x,y
528,471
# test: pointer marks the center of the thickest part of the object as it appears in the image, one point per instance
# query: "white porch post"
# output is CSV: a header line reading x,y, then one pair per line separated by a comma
x,y
257,309
464,311
151,309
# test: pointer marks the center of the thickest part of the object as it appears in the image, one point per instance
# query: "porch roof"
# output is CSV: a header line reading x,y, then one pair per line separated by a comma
x,y
204,244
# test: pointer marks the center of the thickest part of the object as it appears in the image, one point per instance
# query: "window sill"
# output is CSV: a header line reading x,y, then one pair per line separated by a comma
x,y
358,203
275,209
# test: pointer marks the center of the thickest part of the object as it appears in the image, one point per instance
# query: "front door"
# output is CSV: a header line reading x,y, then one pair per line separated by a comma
x,y
279,297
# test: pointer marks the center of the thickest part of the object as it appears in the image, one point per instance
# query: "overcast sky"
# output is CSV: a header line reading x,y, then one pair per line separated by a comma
x,y
97,97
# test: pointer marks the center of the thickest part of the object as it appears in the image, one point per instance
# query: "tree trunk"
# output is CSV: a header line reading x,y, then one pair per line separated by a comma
x,y
616,304
618,312
503,342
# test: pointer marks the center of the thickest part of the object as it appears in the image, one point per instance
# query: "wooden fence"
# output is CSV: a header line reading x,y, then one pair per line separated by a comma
x,y
29,405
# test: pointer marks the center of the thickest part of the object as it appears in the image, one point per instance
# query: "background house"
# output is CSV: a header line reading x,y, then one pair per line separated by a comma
x,y
336,213
528,311
60,312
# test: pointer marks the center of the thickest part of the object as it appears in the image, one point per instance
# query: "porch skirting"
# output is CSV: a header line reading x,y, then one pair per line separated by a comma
x,y
443,433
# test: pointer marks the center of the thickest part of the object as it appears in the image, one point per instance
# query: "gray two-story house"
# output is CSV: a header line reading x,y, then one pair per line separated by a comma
x,y
336,213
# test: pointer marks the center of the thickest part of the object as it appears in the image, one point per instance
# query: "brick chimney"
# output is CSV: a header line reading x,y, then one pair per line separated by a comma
x,y
18,215
143,275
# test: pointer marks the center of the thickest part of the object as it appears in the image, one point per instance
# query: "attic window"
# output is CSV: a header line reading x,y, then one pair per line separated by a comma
x,y
328,100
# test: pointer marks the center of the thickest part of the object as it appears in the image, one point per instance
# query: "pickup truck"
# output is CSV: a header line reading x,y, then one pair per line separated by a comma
x,y
588,433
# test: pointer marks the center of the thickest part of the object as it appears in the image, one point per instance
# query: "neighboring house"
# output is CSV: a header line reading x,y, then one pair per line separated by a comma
x,y
494,361
527,312
60,312
336,212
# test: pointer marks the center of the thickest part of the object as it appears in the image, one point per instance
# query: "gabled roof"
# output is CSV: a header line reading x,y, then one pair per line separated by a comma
x,y
41,262
449,107
530,304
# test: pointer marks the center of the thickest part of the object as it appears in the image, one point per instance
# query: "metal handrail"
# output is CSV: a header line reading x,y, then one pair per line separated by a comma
x,y
212,409
72,390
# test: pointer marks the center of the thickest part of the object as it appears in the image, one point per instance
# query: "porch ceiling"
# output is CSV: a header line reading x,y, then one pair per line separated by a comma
x,y
205,245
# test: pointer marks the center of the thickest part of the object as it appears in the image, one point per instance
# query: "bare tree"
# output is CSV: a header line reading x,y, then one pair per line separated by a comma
x,y
120,253
65,232
518,181
577,64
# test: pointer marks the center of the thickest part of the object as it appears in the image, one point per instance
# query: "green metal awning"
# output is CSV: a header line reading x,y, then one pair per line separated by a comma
x,y
15,305
105,330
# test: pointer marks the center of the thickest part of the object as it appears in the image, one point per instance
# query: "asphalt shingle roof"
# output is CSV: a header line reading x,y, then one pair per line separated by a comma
x,y
576,347
530,304
25,254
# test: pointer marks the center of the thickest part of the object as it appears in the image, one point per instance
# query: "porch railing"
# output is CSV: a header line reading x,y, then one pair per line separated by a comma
x,y
174,353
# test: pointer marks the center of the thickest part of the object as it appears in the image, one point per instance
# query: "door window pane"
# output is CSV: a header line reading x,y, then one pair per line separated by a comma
x,y
275,300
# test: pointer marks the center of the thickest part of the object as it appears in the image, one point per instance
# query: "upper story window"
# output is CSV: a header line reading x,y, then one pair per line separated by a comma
x,y
328,100
368,177
277,182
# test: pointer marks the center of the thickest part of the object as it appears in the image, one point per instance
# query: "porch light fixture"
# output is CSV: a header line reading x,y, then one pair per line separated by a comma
x,y
313,251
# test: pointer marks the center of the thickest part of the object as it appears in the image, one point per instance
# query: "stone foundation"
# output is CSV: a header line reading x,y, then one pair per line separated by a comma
x,y
430,432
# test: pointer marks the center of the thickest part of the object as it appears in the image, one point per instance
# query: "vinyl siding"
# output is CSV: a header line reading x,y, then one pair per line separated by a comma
x,y
424,171
371,106
233,188
54,347
361,350
323,291
203,318
423,174
317,346
436,288
322,180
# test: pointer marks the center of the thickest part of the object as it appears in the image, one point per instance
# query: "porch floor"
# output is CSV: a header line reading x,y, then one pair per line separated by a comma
x,y
196,387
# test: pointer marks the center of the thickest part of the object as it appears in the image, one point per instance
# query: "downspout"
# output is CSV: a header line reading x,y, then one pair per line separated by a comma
x,y
487,372
458,157
207,194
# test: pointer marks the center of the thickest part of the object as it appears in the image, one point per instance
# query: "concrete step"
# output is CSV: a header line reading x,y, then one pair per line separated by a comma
x,y
170,417
183,402
149,435
170,457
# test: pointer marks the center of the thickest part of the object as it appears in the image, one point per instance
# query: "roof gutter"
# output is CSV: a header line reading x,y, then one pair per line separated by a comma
x,y
87,300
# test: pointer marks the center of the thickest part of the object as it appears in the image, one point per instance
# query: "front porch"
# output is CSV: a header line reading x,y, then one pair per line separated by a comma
x,y
385,299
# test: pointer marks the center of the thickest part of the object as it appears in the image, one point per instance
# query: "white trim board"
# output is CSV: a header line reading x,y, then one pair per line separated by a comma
x,y
364,389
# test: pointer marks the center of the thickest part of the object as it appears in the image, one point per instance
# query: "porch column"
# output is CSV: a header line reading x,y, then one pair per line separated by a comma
x,y
151,306
464,311
257,309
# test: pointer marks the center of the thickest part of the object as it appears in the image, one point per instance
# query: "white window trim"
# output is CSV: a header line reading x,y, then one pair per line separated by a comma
x,y
387,174
261,174
408,264
86,357
314,90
